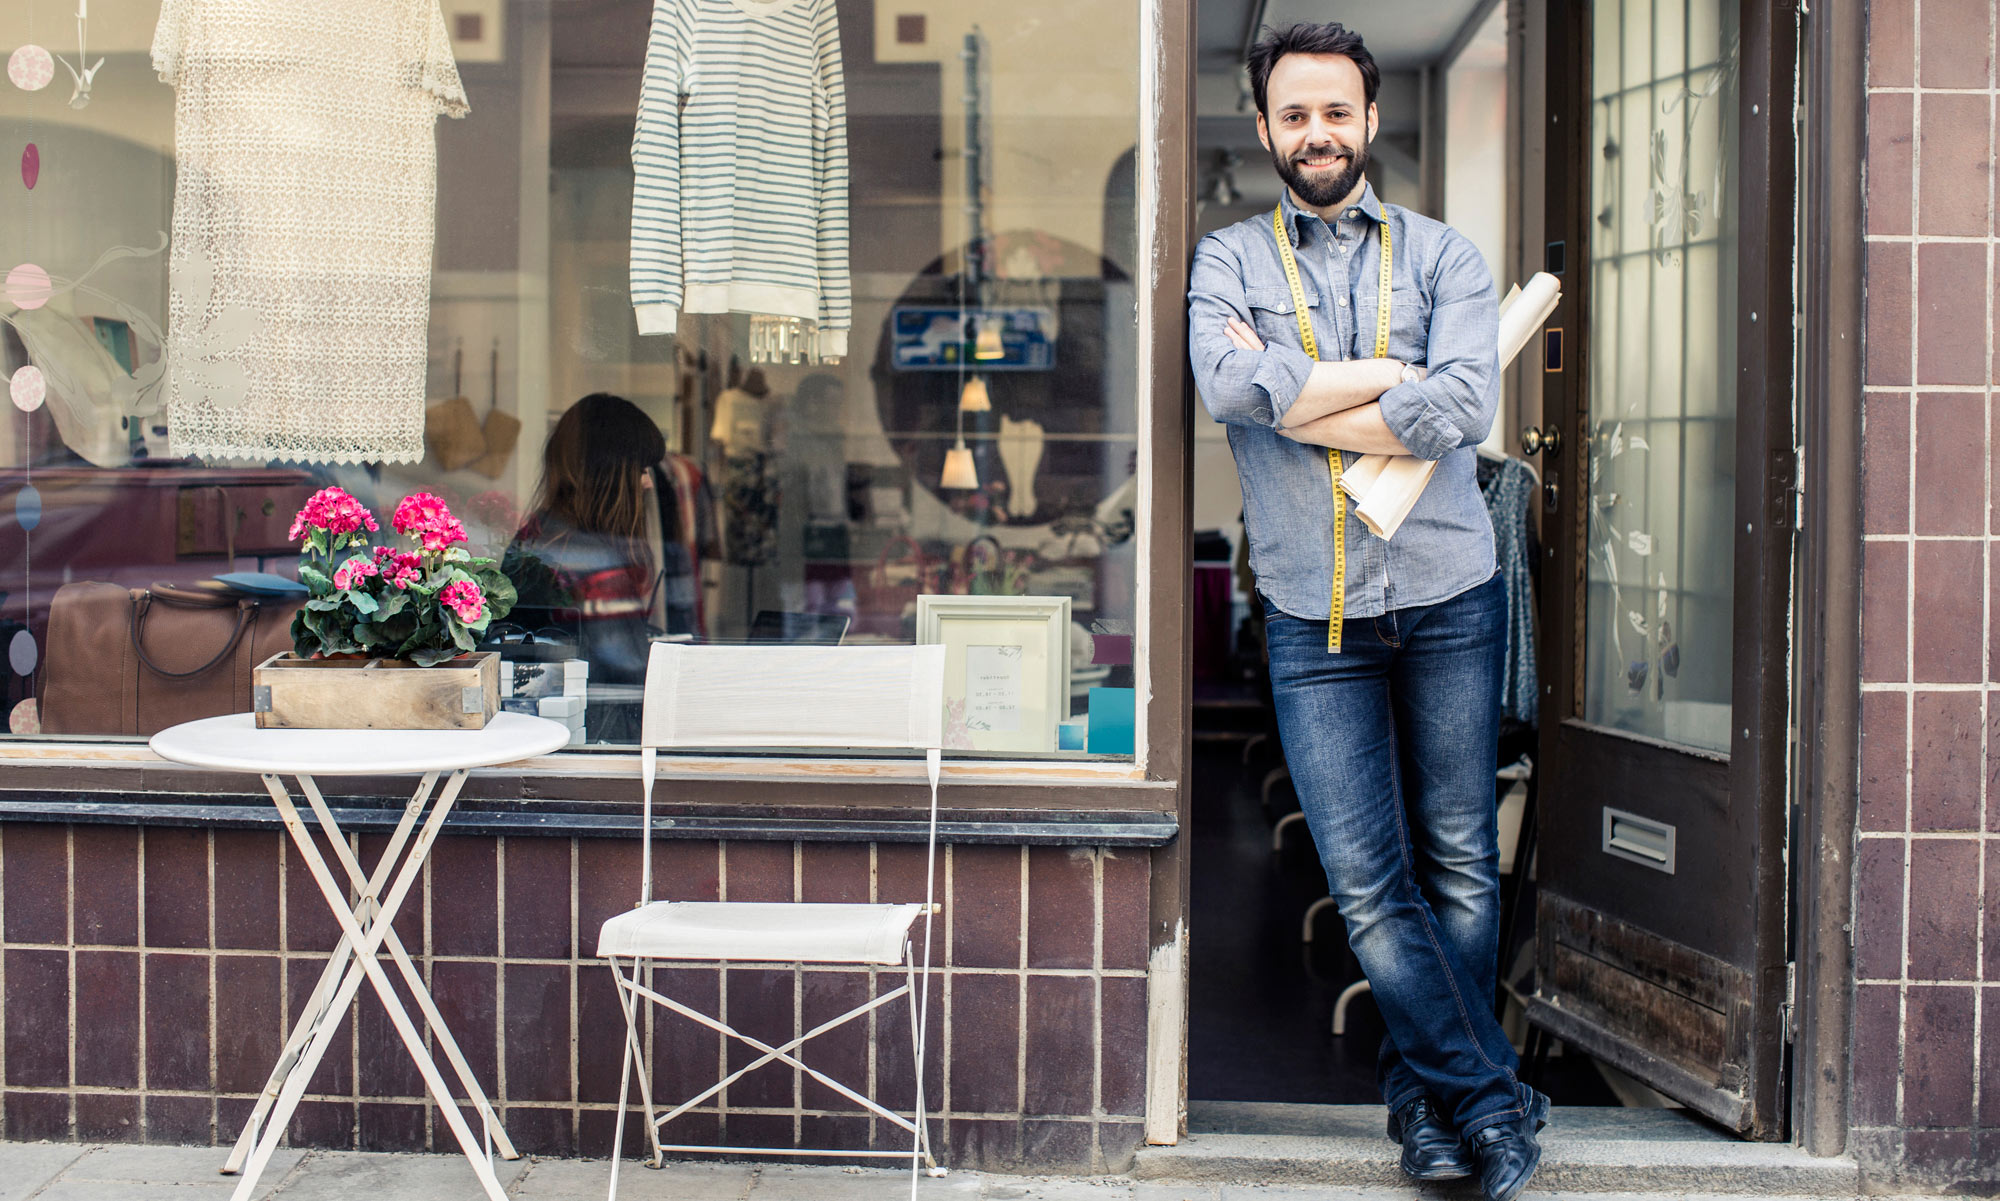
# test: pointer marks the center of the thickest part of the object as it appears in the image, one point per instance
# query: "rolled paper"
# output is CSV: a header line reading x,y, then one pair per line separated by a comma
x,y
1526,314
1358,479
1403,480
1386,487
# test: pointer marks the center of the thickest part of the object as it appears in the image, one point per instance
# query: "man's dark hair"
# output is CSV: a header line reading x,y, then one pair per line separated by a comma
x,y
1330,38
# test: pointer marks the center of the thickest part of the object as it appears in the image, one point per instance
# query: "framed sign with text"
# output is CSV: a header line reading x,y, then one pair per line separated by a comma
x,y
1006,668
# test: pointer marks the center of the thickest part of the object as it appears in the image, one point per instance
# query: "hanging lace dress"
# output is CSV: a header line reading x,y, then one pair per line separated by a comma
x,y
300,266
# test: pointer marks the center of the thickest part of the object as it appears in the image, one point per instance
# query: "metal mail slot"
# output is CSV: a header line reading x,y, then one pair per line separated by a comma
x,y
1639,839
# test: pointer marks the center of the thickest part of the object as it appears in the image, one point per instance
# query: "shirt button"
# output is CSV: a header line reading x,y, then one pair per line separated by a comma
x,y
1354,212
1343,302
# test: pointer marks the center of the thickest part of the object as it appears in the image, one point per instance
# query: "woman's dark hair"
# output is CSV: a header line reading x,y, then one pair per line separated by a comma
x,y
1330,38
591,468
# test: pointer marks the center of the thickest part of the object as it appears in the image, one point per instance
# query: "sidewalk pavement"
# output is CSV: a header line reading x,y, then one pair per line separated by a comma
x,y
83,1172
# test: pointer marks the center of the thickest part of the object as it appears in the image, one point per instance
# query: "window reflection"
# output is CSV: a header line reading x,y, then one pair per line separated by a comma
x,y
966,181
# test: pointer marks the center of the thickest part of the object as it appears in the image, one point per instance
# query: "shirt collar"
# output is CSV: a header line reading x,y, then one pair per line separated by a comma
x,y
1296,218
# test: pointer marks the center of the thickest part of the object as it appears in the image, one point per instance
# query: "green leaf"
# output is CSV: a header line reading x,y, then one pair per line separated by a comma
x,y
394,627
315,580
392,604
423,636
362,602
432,656
304,641
500,593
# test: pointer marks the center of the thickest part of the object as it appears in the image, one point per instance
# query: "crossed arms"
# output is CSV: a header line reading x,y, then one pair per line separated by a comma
x,y
1358,405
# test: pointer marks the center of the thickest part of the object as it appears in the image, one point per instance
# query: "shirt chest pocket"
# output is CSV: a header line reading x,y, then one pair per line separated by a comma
x,y
1409,327
1276,317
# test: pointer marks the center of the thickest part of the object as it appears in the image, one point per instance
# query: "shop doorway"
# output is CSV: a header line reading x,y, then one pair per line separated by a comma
x,y
1616,144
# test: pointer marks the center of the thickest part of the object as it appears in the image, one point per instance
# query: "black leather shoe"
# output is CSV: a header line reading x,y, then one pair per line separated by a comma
x,y
1432,1150
1508,1152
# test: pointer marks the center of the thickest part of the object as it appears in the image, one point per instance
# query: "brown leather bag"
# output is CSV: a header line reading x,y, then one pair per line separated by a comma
x,y
137,660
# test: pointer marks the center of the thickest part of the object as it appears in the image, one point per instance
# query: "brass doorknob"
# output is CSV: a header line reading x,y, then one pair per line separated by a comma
x,y
1547,441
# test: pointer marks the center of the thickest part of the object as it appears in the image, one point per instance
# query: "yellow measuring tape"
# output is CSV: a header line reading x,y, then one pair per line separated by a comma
x,y
1337,614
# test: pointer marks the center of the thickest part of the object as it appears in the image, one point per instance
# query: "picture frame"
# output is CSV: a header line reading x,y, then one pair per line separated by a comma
x,y
1006,674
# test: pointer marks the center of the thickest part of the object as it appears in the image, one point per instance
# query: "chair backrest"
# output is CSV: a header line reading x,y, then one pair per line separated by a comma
x,y
794,696
874,697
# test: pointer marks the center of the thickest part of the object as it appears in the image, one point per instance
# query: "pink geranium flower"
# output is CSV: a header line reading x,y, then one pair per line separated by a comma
x,y
465,599
333,510
353,572
428,519
399,567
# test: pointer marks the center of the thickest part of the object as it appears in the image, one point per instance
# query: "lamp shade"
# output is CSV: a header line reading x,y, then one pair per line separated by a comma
x,y
958,469
986,346
974,398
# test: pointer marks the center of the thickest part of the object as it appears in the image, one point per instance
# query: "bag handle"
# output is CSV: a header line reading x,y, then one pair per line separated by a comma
x,y
897,543
142,603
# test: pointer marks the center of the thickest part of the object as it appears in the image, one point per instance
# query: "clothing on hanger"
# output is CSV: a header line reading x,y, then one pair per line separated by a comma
x,y
689,541
300,268
1510,489
749,509
766,232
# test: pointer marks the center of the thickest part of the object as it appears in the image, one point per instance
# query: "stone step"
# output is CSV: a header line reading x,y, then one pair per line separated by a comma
x,y
1584,1150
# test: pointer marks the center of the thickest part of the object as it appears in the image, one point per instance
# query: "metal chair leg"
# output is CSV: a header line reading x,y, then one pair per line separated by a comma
x,y
1347,996
1278,831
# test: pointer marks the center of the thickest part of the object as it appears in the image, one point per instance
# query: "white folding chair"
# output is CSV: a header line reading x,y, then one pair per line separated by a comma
x,y
872,697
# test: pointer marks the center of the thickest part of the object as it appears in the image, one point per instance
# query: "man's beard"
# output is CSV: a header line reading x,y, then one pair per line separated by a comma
x,y
1319,190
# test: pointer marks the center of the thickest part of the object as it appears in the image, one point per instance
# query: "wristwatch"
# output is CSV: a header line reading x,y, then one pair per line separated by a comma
x,y
1410,375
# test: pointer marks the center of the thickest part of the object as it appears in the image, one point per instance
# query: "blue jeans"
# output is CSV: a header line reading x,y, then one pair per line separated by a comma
x,y
1391,746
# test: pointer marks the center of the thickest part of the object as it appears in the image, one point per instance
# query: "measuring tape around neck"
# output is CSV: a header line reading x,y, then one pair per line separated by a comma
x,y
1337,612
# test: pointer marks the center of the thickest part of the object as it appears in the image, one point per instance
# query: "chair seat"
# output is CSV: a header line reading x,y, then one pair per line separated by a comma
x,y
760,932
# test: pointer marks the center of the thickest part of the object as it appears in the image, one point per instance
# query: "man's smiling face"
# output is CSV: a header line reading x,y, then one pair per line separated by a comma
x,y
1317,125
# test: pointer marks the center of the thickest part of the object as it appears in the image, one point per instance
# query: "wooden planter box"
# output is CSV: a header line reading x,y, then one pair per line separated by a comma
x,y
291,693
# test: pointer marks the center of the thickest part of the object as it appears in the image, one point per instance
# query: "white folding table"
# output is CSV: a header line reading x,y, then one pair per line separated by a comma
x,y
234,743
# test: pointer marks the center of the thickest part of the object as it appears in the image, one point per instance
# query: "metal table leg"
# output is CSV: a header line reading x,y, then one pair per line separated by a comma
x,y
365,929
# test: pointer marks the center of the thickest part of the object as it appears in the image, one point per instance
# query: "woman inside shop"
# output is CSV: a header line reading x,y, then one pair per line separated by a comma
x,y
591,559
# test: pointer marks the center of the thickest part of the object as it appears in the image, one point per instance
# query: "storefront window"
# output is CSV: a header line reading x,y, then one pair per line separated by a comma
x,y
711,320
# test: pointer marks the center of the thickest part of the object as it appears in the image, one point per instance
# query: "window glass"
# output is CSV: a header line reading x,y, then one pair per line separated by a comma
x,y
715,320
1661,456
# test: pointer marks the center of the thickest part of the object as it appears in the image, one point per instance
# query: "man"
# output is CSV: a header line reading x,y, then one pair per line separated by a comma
x,y
1390,722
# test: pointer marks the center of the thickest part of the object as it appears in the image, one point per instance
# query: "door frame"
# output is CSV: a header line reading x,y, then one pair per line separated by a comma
x,y
1766,554
1826,776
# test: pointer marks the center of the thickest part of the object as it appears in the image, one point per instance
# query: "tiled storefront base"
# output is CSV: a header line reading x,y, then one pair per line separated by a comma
x,y
150,975
1926,935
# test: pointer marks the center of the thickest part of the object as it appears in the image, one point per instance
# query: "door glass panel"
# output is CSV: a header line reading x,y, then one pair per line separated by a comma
x,y
1662,405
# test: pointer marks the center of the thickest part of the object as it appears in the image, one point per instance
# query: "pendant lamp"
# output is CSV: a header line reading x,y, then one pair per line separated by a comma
x,y
974,399
958,469
986,345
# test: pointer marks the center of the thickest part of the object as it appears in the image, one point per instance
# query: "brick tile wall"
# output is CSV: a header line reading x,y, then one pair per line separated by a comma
x,y
179,958
1927,868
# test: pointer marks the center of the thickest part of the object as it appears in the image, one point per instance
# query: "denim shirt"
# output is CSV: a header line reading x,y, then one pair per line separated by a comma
x,y
1441,317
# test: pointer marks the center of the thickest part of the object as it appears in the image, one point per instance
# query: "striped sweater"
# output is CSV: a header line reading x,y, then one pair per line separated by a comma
x,y
739,194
